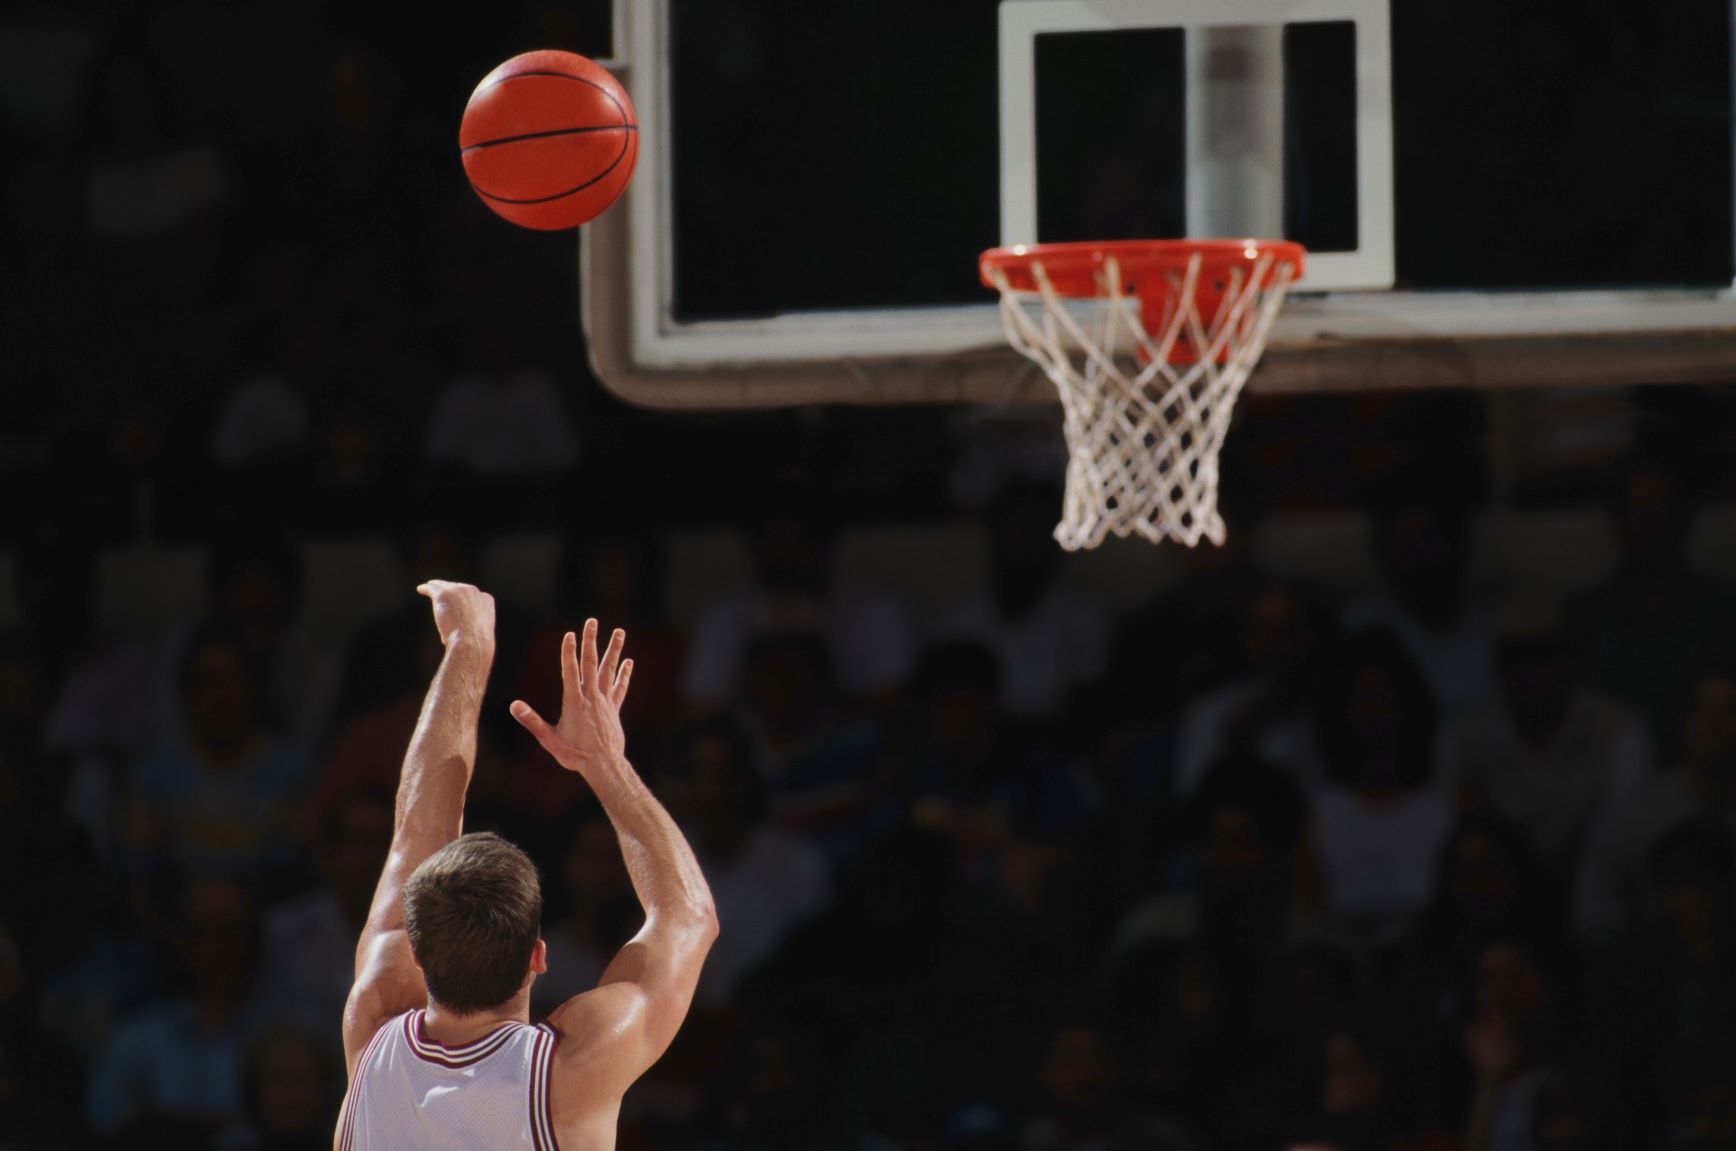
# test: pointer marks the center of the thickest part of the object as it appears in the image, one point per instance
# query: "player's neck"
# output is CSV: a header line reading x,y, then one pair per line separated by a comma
x,y
450,1030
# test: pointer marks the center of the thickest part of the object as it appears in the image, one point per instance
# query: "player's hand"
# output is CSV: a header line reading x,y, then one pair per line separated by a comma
x,y
461,612
588,736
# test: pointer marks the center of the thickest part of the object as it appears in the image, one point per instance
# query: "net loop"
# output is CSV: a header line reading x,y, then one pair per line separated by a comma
x,y
1148,374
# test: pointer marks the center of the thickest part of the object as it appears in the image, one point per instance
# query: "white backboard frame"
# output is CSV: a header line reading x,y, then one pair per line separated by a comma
x,y
1370,266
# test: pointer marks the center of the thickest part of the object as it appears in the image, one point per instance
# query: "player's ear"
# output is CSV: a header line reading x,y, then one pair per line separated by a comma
x,y
539,957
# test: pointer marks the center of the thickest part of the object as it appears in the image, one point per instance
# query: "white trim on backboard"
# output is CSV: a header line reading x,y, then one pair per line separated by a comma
x,y
1022,21
1396,317
618,54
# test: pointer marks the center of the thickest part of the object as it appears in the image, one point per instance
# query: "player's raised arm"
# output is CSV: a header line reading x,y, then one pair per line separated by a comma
x,y
430,809
612,1034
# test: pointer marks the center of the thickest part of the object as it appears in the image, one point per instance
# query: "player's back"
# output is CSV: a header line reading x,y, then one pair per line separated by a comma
x,y
413,1094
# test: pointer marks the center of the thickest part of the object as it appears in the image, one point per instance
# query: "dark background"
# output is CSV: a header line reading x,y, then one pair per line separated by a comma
x,y
1403,820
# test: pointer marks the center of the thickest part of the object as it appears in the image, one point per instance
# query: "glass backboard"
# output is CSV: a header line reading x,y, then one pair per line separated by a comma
x,y
1494,194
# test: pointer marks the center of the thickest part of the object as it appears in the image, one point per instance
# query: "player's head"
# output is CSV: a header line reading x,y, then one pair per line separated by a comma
x,y
473,912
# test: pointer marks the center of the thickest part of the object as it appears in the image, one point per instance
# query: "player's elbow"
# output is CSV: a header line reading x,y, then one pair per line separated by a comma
x,y
701,920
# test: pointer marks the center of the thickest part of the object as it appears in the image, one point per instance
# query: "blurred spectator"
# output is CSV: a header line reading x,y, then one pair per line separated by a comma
x,y
503,418
1245,825
256,581
30,1118
1272,711
1672,999
1080,1104
617,580
1380,823
1517,1024
774,1095
113,701
148,179
31,783
1191,1050
997,798
1647,629
220,799
291,1089
381,664
896,997
1489,885
1421,542
1579,1109
173,1072
591,911
263,420
1195,635
1612,891
765,881
95,967
366,754
39,1086
1052,641
128,698
1555,756
1703,1107
869,640
1360,1105
819,761
310,940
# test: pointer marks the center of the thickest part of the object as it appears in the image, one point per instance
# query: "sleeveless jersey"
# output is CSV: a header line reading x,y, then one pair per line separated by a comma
x,y
413,1094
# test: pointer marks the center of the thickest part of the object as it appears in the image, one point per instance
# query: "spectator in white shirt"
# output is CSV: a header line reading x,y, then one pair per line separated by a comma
x,y
1554,755
1380,824
503,418
265,418
1270,711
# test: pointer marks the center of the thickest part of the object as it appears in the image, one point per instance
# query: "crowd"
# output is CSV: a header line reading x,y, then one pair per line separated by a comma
x,y
1248,867
1413,871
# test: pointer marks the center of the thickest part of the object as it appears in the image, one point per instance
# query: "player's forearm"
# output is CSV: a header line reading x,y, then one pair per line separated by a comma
x,y
665,874
442,752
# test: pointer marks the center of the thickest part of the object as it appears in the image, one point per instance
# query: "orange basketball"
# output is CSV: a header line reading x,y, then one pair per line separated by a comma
x,y
548,140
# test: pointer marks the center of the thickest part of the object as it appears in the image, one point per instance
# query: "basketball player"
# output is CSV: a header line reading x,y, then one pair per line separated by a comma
x,y
436,1032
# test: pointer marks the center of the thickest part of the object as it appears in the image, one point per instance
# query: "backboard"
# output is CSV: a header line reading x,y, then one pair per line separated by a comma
x,y
1491,195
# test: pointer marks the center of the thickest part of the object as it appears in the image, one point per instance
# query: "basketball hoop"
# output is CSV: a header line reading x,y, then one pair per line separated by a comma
x,y
1147,390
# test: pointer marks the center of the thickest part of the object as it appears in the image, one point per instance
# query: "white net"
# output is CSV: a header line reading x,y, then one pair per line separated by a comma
x,y
1143,432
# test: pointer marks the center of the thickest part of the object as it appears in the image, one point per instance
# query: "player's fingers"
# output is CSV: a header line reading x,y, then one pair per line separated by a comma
x,y
425,589
611,665
570,665
531,721
588,654
622,681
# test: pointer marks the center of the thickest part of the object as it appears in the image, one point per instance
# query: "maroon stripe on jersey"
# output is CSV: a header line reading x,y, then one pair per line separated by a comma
x,y
439,1054
346,1137
542,1127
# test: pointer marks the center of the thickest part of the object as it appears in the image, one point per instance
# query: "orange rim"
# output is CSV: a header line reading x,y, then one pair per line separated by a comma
x,y
1075,270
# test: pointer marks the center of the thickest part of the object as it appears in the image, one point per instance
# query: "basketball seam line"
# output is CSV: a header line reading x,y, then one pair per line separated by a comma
x,y
615,163
607,95
544,135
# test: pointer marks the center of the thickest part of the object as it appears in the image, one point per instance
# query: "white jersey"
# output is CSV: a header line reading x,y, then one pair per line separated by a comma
x,y
413,1094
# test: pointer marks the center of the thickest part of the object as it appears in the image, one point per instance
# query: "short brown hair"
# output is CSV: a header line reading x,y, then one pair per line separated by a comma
x,y
473,912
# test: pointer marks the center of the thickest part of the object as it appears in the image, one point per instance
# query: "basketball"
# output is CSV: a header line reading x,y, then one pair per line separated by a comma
x,y
549,140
